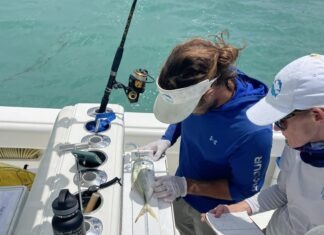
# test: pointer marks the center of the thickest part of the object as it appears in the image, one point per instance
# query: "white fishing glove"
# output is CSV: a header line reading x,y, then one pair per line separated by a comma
x,y
159,147
168,188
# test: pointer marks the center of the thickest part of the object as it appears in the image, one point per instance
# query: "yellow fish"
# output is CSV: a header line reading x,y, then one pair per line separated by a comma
x,y
143,181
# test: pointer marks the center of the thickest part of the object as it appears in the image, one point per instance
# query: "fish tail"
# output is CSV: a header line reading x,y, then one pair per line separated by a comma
x,y
142,212
151,212
146,208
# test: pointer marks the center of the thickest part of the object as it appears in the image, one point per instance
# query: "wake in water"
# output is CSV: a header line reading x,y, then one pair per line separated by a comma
x,y
58,46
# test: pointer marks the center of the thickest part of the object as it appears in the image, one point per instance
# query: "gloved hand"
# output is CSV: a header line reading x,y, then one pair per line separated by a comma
x,y
158,147
168,188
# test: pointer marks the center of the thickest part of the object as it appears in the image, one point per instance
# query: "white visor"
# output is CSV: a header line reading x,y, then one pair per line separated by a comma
x,y
173,106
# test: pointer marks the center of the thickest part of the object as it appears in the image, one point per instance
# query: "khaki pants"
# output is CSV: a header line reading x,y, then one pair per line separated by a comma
x,y
187,220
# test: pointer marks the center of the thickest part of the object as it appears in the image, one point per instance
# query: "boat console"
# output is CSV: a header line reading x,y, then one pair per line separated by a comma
x,y
93,163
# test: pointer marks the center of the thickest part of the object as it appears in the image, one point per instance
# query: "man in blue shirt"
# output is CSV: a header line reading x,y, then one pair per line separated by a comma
x,y
223,156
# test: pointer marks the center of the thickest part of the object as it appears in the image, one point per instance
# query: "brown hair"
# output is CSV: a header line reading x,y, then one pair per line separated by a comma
x,y
199,59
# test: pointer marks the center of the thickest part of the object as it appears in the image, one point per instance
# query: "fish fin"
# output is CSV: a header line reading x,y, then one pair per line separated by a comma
x,y
146,208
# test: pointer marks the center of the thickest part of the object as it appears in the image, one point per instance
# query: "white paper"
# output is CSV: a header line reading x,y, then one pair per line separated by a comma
x,y
238,223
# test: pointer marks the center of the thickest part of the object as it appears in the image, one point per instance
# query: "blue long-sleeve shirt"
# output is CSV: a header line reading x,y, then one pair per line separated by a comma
x,y
223,143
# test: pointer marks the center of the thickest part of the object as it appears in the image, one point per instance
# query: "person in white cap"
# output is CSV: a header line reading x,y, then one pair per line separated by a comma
x,y
223,156
296,105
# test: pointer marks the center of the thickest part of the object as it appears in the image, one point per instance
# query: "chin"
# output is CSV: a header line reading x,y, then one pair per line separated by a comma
x,y
293,145
199,111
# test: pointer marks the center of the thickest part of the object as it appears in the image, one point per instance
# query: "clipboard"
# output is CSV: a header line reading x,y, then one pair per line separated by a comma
x,y
236,223
12,200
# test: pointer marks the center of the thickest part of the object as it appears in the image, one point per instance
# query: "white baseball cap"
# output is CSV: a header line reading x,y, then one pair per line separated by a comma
x,y
299,85
173,106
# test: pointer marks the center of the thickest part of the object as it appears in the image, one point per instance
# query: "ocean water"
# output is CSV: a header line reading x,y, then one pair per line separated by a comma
x,y
59,53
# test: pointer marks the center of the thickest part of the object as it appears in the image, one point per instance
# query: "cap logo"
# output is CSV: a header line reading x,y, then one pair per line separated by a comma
x,y
167,98
276,87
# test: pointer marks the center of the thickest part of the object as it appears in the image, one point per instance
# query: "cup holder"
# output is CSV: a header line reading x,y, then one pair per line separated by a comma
x,y
90,201
92,126
96,140
102,121
93,225
91,162
89,177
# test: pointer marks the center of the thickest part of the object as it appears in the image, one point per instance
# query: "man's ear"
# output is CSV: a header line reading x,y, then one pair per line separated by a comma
x,y
319,114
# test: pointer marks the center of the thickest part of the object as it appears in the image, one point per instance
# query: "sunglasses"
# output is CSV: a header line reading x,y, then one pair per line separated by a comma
x,y
282,123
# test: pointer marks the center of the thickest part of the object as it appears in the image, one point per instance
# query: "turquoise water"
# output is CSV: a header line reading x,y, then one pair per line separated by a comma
x,y
56,53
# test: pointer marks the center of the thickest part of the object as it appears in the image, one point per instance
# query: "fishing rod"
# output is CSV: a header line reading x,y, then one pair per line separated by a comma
x,y
116,63
137,80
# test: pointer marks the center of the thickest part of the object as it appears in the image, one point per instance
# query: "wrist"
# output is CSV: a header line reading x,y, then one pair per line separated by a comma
x,y
191,186
168,142
185,186
243,206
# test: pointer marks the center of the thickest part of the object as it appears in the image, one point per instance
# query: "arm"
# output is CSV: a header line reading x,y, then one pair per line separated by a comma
x,y
268,199
274,196
237,207
172,133
248,168
249,163
169,188
216,188
161,145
